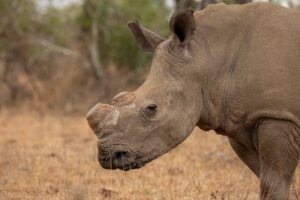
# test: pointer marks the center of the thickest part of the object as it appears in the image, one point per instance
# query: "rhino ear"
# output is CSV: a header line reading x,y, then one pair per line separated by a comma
x,y
147,39
183,26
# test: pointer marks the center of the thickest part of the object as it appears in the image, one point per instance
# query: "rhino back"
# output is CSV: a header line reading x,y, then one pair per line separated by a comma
x,y
268,74
262,44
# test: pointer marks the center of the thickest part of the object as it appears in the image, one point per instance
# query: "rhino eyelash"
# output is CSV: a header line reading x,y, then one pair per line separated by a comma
x,y
148,114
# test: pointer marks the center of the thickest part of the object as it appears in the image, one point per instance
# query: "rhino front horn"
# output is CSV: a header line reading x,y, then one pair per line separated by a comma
x,y
101,115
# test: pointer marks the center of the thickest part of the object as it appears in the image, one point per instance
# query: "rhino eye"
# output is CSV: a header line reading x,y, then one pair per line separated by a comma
x,y
149,112
151,108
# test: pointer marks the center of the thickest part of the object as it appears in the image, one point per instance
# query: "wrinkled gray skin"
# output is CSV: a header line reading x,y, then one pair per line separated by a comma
x,y
232,69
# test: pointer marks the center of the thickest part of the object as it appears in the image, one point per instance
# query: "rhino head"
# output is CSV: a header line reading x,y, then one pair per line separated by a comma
x,y
140,126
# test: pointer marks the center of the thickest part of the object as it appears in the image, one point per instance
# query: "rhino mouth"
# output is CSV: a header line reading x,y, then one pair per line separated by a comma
x,y
122,160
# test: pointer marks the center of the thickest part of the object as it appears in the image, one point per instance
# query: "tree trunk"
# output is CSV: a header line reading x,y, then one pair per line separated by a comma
x,y
10,79
94,50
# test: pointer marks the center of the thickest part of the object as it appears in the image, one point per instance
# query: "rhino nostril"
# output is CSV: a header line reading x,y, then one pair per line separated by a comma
x,y
119,155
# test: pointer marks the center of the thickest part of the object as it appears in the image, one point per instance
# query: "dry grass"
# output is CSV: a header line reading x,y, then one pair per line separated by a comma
x,y
54,157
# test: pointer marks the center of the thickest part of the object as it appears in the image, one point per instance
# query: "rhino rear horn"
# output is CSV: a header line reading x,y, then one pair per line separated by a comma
x,y
147,39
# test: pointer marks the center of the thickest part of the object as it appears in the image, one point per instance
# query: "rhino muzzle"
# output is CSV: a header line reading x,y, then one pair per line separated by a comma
x,y
101,117
118,159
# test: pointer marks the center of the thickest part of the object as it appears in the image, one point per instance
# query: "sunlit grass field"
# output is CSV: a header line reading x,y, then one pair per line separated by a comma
x,y
55,157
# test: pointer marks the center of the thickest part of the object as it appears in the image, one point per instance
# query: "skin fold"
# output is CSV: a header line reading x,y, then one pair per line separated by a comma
x,y
232,69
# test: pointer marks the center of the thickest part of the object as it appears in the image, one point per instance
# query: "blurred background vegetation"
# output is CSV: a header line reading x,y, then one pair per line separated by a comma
x,y
66,56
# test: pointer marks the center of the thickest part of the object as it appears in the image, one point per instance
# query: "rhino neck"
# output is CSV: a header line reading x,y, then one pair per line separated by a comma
x,y
222,43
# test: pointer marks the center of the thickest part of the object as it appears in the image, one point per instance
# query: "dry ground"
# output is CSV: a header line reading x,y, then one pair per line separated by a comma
x,y
55,157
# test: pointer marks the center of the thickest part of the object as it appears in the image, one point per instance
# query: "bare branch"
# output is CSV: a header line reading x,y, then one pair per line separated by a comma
x,y
55,48
59,49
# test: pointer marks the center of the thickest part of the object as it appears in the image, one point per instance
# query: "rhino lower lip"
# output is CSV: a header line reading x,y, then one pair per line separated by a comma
x,y
119,160
107,164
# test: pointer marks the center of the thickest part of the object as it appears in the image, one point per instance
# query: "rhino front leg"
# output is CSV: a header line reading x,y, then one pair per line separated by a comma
x,y
278,146
248,155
